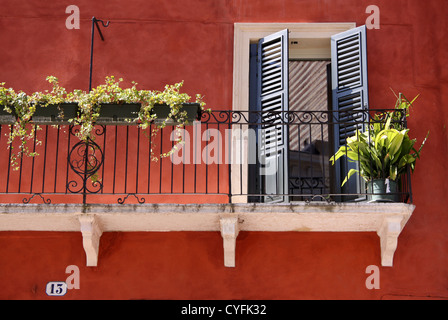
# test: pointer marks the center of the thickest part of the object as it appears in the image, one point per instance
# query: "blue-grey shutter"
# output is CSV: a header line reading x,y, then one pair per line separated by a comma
x,y
254,166
273,102
350,95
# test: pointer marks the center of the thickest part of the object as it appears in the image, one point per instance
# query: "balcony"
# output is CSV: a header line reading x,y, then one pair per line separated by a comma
x,y
221,179
219,162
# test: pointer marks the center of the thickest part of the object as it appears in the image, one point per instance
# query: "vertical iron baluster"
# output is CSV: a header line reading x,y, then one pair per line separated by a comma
x,y
408,173
323,158
138,159
1,127
126,162
299,163
172,165
219,158
183,162
150,160
9,162
20,171
206,159
195,152
45,158
56,159
241,159
229,171
104,150
115,159
160,166
311,182
70,127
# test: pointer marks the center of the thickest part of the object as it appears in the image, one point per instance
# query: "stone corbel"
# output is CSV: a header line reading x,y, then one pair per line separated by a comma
x,y
388,232
91,233
229,232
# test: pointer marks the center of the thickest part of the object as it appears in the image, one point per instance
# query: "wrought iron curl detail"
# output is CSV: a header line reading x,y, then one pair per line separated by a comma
x,y
85,159
273,117
26,201
123,200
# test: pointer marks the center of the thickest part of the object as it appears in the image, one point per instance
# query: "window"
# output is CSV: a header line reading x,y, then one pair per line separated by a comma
x,y
277,52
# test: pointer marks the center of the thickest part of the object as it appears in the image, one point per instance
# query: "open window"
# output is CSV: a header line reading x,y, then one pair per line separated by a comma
x,y
293,153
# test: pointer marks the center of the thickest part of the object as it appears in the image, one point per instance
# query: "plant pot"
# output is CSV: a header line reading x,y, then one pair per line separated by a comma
x,y
55,113
162,111
118,113
6,117
382,190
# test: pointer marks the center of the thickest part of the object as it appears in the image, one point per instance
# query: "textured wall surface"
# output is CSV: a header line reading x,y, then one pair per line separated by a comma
x,y
158,42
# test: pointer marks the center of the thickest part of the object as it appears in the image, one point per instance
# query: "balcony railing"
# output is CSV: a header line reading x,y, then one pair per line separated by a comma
x,y
219,162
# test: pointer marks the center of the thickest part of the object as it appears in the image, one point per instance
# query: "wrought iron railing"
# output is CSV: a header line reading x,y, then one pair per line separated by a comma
x,y
219,161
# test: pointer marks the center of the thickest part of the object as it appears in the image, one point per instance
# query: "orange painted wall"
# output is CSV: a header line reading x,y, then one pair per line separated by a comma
x,y
159,42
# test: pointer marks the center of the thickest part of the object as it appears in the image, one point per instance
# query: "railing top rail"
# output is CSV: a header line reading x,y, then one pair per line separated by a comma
x,y
253,117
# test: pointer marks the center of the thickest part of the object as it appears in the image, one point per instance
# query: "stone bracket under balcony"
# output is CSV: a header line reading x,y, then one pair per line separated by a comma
x,y
91,234
386,219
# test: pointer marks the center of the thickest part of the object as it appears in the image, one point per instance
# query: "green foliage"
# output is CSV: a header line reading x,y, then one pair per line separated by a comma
x,y
112,92
385,149
18,103
89,106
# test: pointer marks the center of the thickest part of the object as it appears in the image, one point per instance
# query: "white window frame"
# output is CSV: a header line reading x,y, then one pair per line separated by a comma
x,y
244,35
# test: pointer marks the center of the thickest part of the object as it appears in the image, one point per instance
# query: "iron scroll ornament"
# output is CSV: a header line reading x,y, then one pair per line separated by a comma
x,y
85,159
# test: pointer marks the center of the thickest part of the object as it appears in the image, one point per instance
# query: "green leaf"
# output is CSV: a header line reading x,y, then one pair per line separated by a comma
x,y
350,173
341,152
393,172
395,143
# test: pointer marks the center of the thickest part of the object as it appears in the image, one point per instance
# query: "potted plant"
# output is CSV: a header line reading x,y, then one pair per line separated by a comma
x,y
53,107
38,108
384,152
106,104
169,107
114,104
190,111
7,115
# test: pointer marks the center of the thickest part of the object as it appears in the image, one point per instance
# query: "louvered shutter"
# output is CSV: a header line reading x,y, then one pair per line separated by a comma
x,y
273,102
349,94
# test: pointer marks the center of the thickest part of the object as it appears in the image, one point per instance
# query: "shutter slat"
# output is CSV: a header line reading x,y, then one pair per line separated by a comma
x,y
349,51
350,69
275,62
349,76
342,43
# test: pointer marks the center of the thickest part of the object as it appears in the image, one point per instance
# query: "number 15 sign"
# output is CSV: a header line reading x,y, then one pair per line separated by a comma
x,y
59,288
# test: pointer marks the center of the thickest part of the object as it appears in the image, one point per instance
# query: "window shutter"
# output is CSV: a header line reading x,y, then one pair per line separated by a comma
x,y
273,56
349,94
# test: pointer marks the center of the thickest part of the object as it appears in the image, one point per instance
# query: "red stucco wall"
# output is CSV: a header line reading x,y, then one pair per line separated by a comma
x,y
159,42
